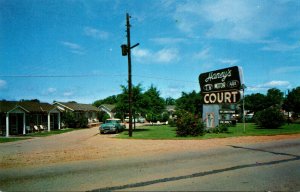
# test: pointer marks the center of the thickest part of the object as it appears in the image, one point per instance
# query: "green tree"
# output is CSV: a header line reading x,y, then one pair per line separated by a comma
x,y
292,101
153,104
109,100
170,101
274,97
255,102
191,102
122,105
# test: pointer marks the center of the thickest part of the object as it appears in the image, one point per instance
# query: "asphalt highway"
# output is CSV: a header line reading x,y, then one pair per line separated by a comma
x,y
268,166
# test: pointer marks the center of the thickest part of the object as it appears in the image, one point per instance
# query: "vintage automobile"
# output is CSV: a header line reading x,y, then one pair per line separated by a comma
x,y
112,126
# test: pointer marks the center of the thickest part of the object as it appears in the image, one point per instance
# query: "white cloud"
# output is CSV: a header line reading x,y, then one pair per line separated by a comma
x,y
286,69
229,61
247,20
203,54
168,40
277,46
269,85
96,33
166,55
68,93
141,53
276,84
51,90
2,84
73,47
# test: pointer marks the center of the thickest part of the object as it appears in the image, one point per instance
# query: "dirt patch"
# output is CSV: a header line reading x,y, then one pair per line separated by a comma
x,y
89,145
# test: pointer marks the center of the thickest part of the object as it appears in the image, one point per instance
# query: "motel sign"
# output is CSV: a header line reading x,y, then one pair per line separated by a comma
x,y
221,86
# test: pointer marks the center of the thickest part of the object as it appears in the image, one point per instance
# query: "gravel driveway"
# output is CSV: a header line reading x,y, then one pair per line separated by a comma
x,y
87,144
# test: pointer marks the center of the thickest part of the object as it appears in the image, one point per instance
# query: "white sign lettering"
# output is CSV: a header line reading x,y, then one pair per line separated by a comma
x,y
221,97
221,75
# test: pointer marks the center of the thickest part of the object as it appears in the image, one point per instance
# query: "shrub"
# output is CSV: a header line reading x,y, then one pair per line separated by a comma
x,y
222,128
82,122
70,120
165,117
188,125
270,118
172,122
102,116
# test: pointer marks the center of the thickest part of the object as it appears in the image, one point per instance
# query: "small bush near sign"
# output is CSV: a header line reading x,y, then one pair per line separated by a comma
x,y
222,128
188,125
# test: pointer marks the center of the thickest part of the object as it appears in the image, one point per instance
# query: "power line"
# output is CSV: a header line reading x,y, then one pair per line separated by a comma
x,y
165,78
59,76
94,75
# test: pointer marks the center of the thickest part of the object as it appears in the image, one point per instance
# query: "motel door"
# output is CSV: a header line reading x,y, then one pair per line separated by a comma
x,y
15,123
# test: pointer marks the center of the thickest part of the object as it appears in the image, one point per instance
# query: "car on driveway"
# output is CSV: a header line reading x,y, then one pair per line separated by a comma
x,y
112,126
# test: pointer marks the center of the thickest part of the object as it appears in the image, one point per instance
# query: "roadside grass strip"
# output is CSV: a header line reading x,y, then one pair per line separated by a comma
x,y
37,134
9,139
166,132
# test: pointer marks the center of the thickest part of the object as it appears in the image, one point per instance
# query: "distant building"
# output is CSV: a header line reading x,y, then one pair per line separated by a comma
x,y
171,111
80,110
108,109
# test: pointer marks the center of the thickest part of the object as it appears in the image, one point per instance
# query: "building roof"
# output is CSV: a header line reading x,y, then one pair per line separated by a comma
x,y
6,106
170,107
30,106
77,106
109,107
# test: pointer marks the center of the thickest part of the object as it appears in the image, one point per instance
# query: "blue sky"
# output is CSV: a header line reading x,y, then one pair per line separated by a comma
x,y
70,49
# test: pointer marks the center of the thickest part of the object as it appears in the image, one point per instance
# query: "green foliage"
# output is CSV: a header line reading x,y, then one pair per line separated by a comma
x,y
255,102
82,122
292,101
188,125
108,100
164,117
191,102
172,122
222,128
152,103
270,118
258,102
170,101
274,97
102,116
71,121
122,105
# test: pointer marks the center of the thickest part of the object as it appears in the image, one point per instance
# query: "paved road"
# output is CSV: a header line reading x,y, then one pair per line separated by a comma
x,y
269,166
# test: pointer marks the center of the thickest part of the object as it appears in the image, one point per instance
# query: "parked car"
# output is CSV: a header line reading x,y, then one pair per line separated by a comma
x,y
112,126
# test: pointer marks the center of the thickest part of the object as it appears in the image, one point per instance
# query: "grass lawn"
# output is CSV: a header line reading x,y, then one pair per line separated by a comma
x,y
37,134
5,140
167,132
53,132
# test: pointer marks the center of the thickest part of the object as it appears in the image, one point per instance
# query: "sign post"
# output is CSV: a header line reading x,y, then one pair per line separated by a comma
x,y
220,87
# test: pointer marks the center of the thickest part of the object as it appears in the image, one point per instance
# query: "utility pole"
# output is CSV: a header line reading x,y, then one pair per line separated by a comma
x,y
126,50
243,88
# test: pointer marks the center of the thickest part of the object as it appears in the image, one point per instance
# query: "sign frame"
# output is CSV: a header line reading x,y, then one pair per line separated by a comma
x,y
221,86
